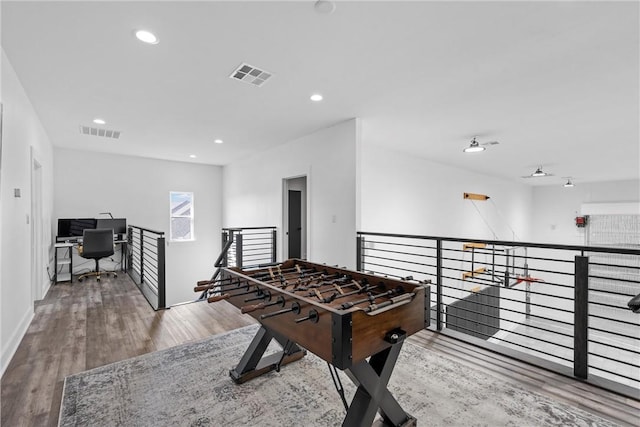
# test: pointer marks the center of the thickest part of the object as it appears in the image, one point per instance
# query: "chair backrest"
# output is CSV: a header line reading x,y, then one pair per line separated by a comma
x,y
97,242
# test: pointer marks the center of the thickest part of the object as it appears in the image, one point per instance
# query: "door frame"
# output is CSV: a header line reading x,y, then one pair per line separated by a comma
x,y
300,183
37,234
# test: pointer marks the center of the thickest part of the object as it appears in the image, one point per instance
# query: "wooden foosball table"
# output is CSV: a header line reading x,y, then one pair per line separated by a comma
x,y
354,321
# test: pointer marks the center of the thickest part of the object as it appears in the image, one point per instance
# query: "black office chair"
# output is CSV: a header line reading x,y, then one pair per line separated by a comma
x,y
96,244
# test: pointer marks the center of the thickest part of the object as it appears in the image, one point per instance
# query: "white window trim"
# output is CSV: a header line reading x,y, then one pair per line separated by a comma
x,y
191,216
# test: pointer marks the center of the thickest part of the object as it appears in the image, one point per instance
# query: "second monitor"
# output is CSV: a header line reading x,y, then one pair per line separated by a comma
x,y
118,225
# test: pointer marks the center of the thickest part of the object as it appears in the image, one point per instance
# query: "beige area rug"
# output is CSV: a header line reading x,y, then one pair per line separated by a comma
x,y
189,385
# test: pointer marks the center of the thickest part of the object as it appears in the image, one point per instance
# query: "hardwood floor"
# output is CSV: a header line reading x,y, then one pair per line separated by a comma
x,y
82,326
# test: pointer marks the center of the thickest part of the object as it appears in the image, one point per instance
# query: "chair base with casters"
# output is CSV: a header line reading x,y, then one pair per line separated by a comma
x,y
96,244
97,272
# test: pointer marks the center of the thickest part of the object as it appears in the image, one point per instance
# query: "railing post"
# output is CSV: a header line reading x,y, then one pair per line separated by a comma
x,y
273,246
439,307
129,249
581,317
359,253
225,260
161,273
141,256
239,250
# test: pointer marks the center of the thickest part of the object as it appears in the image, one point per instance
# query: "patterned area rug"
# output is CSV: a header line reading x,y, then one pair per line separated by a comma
x,y
189,385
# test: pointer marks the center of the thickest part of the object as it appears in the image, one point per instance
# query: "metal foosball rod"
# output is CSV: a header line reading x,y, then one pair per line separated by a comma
x,y
323,284
249,308
279,272
392,301
338,293
295,308
313,316
282,279
228,287
228,295
203,285
371,298
265,295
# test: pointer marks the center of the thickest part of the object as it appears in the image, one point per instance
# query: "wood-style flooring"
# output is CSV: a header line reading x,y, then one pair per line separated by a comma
x,y
80,326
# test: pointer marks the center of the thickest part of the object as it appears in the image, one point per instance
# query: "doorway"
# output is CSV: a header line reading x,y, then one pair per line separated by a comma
x,y
295,217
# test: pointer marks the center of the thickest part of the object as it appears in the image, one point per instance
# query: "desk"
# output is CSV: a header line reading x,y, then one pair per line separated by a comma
x,y
64,260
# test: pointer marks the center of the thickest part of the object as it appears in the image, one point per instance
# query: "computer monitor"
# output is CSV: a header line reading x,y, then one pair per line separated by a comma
x,y
118,225
74,227
64,227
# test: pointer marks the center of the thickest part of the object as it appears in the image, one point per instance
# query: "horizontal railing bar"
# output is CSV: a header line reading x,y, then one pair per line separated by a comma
x,y
614,279
507,320
511,289
634,267
597,249
135,227
618,334
515,343
609,345
617,374
399,244
269,227
614,360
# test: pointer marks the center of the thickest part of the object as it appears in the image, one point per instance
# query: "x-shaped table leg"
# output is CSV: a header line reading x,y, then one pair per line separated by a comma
x,y
372,395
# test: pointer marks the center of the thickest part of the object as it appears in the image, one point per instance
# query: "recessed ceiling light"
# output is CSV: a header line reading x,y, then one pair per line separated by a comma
x,y
99,121
218,141
324,6
316,97
193,156
147,37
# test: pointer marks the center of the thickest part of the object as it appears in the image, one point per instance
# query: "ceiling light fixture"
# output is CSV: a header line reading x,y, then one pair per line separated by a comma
x,y
539,172
218,141
146,37
316,97
193,156
99,121
474,147
569,183
324,6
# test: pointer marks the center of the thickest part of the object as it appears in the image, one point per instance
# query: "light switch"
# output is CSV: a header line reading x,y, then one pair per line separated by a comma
x,y
16,192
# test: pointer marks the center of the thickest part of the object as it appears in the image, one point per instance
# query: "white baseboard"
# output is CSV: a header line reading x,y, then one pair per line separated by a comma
x,y
9,348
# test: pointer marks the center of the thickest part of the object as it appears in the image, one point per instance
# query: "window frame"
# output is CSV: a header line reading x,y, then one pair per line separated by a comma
x,y
188,195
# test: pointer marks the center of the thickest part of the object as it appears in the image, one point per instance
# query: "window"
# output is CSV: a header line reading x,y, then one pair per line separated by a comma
x,y
181,211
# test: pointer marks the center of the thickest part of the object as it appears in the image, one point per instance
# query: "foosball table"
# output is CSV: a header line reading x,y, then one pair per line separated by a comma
x,y
354,321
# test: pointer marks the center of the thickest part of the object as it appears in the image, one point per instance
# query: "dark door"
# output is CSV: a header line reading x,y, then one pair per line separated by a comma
x,y
295,224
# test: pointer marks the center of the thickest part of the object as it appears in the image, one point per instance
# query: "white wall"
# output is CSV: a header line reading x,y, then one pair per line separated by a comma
x,y
22,132
138,189
253,191
405,194
555,208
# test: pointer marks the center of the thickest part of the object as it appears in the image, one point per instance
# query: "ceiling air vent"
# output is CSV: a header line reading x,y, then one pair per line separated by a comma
x,y
250,74
105,133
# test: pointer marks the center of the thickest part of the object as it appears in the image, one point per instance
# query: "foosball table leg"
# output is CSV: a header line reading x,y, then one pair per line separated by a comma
x,y
372,394
253,363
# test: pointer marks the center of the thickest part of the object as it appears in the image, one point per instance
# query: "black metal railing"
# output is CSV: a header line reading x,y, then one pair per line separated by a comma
x,y
146,263
249,246
557,306
244,247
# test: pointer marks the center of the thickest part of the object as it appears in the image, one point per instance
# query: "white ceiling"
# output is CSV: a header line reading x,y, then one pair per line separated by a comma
x,y
557,83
